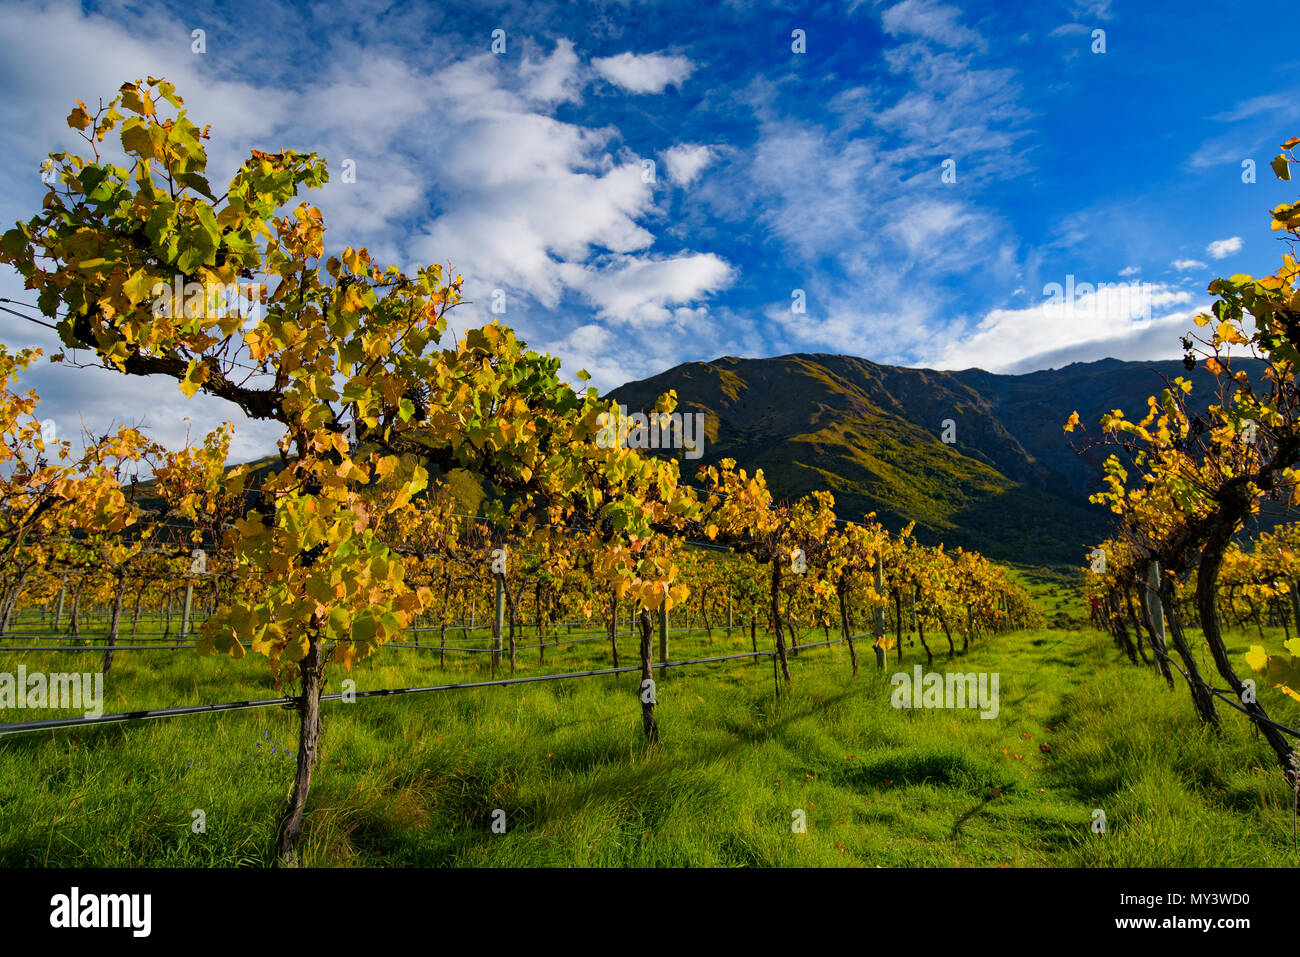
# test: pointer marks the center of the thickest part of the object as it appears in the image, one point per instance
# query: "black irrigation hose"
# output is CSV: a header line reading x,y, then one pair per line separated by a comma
x,y
290,702
101,647
1232,702
504,647
1227,697
286,702
68,637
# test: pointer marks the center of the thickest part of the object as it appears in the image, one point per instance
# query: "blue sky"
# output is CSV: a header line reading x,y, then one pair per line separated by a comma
x,y
774,171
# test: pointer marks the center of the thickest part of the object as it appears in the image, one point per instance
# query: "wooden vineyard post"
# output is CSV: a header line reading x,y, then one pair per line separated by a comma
x,y
58,611
613,625
498,619
879,613
898,621
513,602
185,615
663,634
541,614
1154,606
1149,602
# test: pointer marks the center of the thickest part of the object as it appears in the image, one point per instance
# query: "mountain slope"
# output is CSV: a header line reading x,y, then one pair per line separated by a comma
x,y
1009,485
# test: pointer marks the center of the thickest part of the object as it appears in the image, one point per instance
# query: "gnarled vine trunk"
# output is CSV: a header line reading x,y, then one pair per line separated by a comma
x,y
776,619
312,671
1207,580
647,686
845,628
1201,697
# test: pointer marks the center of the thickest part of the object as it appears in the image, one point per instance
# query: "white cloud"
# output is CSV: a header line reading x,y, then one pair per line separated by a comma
x,y
685,162
639,290
1130,270
933,21
458,160
1188,265
1223,248
594,348
1151,342
644,72
1090,323
555,79
95,55
519,234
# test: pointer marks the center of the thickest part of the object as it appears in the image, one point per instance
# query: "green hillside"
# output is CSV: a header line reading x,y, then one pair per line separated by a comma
x,y
1010,485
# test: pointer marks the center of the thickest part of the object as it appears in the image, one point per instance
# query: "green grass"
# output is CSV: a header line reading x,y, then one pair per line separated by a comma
x,y
415,780
1057,592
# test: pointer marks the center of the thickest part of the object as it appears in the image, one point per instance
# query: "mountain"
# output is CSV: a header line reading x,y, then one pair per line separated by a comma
x,y
1009,485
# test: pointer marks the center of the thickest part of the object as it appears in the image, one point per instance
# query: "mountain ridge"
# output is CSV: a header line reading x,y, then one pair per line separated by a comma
x,y
1009,485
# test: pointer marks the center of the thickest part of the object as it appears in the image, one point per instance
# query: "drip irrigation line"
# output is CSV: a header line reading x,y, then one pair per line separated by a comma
x,y
504,648
1227,697
150,636
292,701
481,651
1231,701
124,645
54,723
186,644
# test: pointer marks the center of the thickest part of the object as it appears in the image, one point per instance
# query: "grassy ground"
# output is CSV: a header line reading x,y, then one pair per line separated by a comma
x,y
415,780
1057,592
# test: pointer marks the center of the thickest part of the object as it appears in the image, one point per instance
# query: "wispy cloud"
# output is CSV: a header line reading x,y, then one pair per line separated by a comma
x,y
932,21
